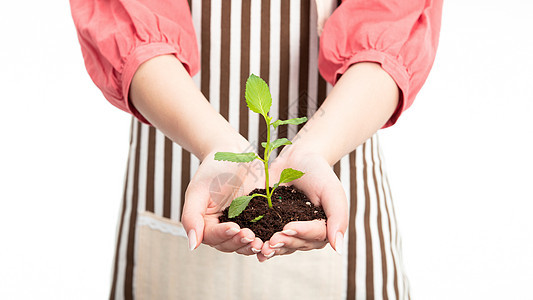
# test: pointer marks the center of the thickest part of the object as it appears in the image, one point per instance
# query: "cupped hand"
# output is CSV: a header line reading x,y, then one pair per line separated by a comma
x,y
213,187
321,185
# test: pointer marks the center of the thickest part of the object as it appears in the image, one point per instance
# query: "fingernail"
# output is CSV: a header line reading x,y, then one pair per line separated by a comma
x,y
255,250
278,245
192,239
289,232
338,242
232,231
246,240
270,255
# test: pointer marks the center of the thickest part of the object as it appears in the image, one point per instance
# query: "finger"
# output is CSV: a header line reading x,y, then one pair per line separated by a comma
x,y
216,233
257,244
286,243
314,230
245,250
252,248
335,205
284,251
266,252
243,238
294,244
261,258
193,215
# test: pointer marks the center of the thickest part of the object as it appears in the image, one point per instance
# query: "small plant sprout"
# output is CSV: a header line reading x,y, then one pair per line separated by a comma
x,y
259,100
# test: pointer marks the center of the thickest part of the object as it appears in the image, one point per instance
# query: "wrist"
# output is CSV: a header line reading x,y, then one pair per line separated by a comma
x,y
164,93
361,102
232,142
313,141
301,149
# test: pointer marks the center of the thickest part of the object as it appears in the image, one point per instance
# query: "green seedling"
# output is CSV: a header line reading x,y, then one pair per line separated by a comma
x,y
259,100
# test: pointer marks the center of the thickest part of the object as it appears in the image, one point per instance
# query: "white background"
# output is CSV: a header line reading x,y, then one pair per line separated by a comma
x,y
459,160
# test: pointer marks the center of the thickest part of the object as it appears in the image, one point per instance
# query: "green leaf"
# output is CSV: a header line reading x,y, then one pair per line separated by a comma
x,y
235,157
238,205
279,142
295,121
257,95
289,175
257,219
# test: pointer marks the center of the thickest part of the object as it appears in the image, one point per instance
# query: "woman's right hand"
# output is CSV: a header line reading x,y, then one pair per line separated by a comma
x,y
164,93
213,187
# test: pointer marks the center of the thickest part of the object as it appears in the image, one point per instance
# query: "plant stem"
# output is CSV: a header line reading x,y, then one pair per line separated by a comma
x,y
259,195
266,157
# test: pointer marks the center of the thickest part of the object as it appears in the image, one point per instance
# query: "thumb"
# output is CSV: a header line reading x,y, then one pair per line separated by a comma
x,y
192,217
335,205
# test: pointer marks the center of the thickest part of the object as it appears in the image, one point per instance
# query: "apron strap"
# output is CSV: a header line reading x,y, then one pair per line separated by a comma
x,y
324,9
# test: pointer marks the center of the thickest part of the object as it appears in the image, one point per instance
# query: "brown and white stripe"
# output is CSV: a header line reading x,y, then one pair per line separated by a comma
x,y
277,40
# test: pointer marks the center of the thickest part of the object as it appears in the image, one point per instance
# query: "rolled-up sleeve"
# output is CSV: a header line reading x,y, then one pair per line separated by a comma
x,y
117,36
402,36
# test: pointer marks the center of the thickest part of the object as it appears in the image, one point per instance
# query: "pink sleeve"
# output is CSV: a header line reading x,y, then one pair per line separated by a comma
x,y
116,36
400,35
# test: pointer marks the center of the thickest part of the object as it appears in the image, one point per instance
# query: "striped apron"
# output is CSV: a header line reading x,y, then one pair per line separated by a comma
x,y
277,40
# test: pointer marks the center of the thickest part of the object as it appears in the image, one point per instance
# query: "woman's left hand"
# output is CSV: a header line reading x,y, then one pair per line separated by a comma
x,y
323,188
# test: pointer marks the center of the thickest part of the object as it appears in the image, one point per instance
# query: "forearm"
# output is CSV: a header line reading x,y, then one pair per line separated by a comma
x,y
164,93
361,102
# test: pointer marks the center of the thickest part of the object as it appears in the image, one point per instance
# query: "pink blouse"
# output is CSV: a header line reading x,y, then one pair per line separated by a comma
x,y
116,36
